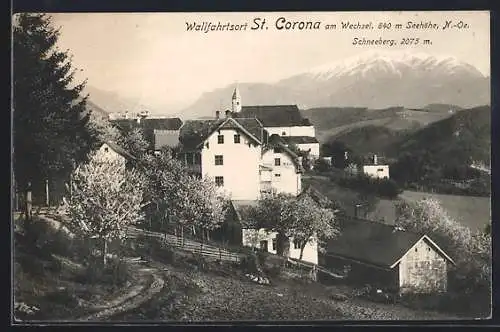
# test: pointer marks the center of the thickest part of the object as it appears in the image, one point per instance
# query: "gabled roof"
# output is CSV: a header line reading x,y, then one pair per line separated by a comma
x,y
299,139
195,132
276,142
274,115
118,149
374,243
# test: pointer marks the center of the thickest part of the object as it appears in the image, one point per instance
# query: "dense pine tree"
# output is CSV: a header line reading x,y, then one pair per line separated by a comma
x,y
50,117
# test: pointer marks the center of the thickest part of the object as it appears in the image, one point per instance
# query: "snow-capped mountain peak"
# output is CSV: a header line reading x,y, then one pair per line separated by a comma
x,y
395,62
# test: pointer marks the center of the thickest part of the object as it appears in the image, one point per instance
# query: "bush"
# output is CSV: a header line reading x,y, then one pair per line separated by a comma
x,y
262,257
119,272
249,263
368,185
116,272
274,272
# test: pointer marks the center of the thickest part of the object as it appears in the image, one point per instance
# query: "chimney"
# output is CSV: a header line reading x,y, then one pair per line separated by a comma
x,y
228,114
375,159
217,115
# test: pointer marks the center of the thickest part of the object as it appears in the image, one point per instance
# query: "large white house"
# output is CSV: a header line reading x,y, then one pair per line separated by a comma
x,y
238,151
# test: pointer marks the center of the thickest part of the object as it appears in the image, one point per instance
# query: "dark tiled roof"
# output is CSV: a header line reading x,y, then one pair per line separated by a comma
x,y
276,142
252,125
121,151
274,115
299,139
371,242
194,132
161,123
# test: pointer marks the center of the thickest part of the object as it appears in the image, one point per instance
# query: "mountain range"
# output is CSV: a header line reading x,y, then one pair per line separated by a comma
x,y
371,80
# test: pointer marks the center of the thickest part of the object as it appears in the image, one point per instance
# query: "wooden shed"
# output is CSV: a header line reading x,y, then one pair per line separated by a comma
x,y
388,257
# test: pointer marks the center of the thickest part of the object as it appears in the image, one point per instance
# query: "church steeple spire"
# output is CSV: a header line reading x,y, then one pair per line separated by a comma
x,y
236,100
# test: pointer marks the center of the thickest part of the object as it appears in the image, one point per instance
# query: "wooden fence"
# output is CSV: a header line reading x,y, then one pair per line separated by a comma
x,y
187,245
316,268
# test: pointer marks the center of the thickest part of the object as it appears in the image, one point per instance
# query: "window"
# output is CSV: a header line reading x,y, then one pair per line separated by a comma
x,y
296,244
236,138
380,170
277,162
106,149
219,160
283,133
219,181
274,244
263,245
277,175
416,249
220,139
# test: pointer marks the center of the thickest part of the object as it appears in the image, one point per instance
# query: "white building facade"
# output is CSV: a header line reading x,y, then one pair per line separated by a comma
x,y
267,241
231,158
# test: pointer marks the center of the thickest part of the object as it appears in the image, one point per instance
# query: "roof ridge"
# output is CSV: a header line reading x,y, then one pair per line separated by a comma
x,y
369,221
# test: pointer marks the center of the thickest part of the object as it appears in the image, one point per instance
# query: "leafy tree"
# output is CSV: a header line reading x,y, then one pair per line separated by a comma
x,y
337,150
106,198
209,203
321,165
181,199
273,214
308,222
306,156
50,118
104,129
134,142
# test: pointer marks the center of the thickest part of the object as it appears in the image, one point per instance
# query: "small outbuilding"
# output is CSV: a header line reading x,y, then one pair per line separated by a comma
x,y
388,257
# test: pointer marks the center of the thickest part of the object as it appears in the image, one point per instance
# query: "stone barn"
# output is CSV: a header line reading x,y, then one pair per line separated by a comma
x,y
388,257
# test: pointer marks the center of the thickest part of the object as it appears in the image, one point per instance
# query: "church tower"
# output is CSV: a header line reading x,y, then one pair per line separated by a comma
x,y
236,101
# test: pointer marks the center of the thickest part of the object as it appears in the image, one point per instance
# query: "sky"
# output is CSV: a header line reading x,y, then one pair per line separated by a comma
x,y
151,57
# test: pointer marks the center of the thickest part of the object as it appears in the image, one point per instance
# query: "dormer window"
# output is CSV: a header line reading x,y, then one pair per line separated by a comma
x,y
220,139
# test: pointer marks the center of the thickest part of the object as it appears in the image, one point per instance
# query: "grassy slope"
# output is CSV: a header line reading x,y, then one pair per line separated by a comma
x,y
50,274
224,294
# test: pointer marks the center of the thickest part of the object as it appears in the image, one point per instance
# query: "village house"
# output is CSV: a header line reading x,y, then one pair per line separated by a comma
x,y
237,232
236,150
111,152
388,257
375,169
